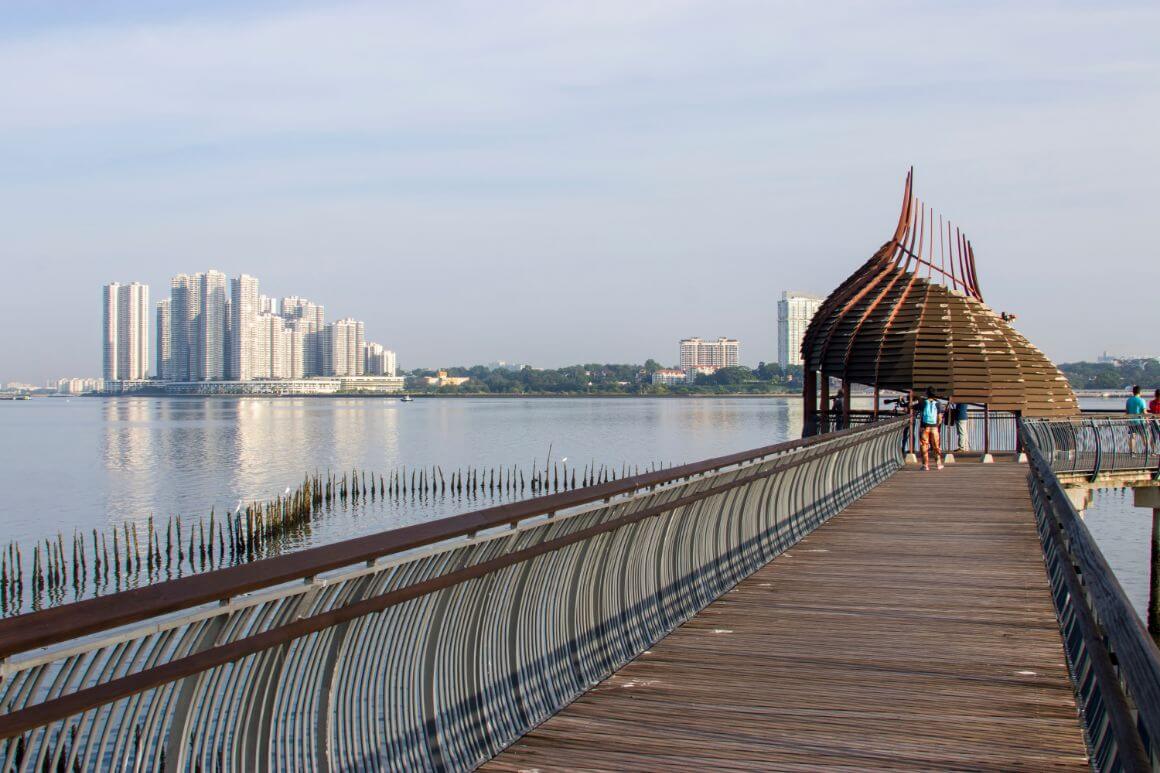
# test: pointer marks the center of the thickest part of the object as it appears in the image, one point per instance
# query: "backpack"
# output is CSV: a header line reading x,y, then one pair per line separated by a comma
x,y
930,412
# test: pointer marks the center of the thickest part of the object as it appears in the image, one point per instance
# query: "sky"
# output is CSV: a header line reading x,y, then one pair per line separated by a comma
x,y
551,183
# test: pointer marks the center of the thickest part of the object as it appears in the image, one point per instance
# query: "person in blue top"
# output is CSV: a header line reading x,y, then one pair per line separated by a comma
x,y
1136,408
929,417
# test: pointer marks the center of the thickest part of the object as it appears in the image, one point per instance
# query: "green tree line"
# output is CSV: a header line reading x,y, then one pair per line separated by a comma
x,y
1110,375
606,378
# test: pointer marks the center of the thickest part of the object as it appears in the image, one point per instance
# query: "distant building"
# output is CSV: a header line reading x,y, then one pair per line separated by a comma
x,y
794,312
212,342
78,386
380,361
244,334
669,376
305,386
1116,359
126,331
162,343
441,379
722,353
342,348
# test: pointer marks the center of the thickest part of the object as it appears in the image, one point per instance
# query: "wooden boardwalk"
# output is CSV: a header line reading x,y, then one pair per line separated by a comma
x,y
914,630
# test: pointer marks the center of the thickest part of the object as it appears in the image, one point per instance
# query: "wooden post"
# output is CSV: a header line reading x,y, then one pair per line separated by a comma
x,y
824,410
809,402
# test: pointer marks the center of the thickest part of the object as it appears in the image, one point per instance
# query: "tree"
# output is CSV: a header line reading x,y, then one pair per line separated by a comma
x,y
733,375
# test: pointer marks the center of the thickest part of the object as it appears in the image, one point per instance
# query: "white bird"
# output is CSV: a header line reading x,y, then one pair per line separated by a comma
x,y
563,460
287,491
238,506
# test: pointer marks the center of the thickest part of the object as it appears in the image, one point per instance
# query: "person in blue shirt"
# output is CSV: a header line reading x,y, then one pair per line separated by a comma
x,y
1136,408
929,419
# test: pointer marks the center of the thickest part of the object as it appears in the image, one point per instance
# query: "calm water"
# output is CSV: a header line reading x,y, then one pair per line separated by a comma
x,y
92,462
1124,534
84,463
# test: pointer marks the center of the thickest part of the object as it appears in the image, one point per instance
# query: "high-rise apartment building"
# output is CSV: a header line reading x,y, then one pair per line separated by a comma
x,y
125,350
794,312
244,334
342,348
722,353
162,342
212,327
380,361
184,308
294,307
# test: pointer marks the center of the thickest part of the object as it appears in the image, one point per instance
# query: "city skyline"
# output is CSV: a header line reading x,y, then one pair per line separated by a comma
x,y
213,328
523,196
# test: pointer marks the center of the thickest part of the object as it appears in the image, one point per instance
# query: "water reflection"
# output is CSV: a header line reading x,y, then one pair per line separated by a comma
x,y
89,463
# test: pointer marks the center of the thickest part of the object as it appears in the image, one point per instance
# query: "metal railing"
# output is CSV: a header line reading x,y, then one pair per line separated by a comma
x,y
1114,663
984,431
1092,445
429,647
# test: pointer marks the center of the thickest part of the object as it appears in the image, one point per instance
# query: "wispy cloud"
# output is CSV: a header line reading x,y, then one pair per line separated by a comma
x,y
644,145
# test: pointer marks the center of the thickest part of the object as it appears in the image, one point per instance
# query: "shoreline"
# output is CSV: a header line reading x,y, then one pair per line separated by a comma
x,y
470,396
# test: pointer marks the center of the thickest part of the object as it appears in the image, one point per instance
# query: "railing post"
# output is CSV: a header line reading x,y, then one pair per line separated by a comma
x,y
987,458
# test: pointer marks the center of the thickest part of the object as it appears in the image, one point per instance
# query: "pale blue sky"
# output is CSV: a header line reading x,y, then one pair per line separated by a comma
x,y
562,182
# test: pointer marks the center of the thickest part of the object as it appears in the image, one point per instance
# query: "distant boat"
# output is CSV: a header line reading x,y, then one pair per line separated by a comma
x,y
407,399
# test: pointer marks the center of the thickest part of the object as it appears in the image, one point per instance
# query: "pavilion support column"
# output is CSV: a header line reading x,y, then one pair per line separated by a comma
x,y
877,396
809,402
824,409
846,402
911,456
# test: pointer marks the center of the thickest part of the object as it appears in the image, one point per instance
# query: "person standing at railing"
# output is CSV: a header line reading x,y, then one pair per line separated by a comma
x,y
930,417
962,416
1137,427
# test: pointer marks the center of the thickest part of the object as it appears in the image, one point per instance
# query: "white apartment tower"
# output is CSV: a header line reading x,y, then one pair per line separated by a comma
x,y
342,348
380,361
184,308
211,327
162,341
126,332
794,312
722,353
244,333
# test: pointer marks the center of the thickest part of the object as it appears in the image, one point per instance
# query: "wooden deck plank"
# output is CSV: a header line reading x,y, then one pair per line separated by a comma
x,y
915,630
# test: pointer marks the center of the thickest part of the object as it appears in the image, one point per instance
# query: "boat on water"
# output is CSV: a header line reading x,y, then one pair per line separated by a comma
x,y
407,399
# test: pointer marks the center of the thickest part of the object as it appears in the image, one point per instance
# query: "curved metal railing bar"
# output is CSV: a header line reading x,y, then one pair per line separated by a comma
x,y
1115,665
427,649
1094,445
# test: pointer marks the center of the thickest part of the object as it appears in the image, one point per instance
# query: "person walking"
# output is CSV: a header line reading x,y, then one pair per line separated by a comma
x,y
1154,406
1136,408
929,412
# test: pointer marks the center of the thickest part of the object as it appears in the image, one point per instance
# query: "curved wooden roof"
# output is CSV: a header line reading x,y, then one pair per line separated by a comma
x,y
913,316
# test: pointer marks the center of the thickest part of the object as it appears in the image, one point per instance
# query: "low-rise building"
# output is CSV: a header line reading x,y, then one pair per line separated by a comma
x,y
669,376
441,379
